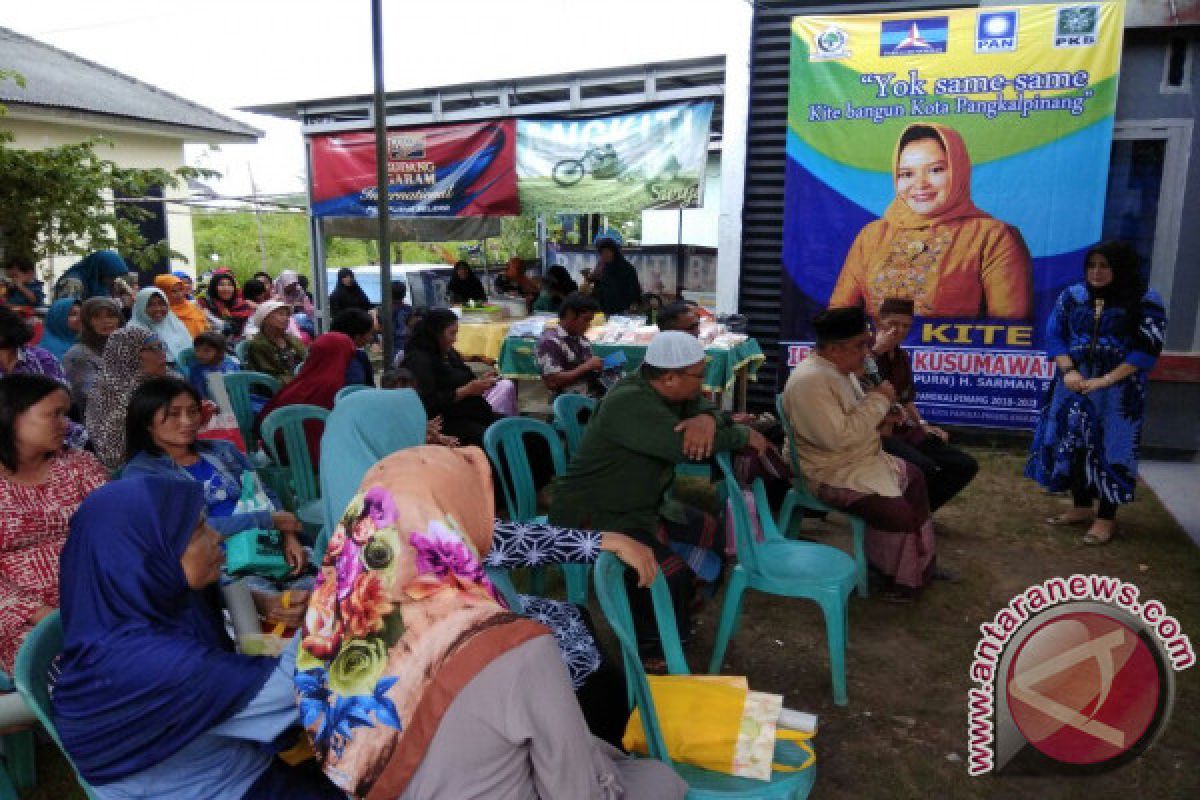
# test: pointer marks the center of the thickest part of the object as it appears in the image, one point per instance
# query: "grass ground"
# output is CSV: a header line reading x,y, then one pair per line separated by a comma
x,y
903,735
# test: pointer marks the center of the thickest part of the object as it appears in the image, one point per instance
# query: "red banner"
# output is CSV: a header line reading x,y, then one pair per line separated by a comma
x,y
465,170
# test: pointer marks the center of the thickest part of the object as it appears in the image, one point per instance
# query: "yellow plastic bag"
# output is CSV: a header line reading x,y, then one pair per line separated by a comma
x,y
715,722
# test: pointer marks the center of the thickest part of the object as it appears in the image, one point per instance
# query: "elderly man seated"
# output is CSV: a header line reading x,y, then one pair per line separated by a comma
x,y
619,479
564,354
679,317
947,469
840,452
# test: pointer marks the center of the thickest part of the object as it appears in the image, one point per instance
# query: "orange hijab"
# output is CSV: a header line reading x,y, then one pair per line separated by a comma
x,y
958,204
402,617
189,313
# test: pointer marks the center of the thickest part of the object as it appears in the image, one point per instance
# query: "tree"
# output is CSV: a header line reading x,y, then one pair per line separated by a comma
x,y
60,200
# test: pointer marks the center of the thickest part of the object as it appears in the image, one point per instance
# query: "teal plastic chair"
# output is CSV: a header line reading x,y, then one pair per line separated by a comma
x,y
238,386
800,497
288,423
346,391
567,408
239,350
18,770
786,568
185,359
704,784
505,445
32,671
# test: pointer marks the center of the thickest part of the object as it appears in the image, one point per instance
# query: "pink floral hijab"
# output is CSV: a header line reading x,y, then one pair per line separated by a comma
x,y
402,617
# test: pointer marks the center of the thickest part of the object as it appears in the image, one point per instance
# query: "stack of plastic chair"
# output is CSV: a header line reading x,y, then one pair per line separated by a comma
x,y
704,784
786,568
346,391
32,674
800,497
505,445
239,350
567,408
288,423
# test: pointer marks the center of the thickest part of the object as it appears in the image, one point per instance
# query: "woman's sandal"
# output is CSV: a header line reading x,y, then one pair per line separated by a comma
x,y
1066,518
1092,540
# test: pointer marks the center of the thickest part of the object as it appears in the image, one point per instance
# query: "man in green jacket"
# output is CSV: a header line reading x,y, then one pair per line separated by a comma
x,y
618,480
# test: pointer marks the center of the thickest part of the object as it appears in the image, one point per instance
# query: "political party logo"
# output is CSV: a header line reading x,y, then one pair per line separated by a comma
x,y
1076,676
406,147
996,31
1076,26
829,44
912,37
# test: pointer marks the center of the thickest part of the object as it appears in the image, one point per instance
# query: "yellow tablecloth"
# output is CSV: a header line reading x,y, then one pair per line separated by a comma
x,y
481,338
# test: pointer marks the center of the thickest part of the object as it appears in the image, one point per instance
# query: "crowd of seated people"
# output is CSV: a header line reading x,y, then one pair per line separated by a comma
x,y
538,714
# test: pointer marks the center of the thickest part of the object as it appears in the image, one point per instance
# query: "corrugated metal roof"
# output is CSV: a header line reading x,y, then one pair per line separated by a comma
x,y
57,79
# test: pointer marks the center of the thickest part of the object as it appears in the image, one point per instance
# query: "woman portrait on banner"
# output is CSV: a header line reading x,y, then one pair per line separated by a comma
x,y
933,245
1104,334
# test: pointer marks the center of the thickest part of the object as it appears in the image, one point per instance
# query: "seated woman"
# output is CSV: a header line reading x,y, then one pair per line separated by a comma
x,y
272,350
464,286
132,355
444,675
41,485
225,302
62,328
190,314
152,312
448,387
17,355
99,317
556,285
515,281
92,276
347,294
164,418
359,325
317,384
180,710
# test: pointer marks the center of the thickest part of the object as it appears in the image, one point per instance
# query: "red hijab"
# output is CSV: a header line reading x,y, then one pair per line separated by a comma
x,y
319,380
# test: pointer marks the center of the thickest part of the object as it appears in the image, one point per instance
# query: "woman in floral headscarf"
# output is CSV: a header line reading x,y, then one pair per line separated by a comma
x,y
411,667
131,356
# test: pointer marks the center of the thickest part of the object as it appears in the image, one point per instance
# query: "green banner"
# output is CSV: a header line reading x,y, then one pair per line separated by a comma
x,y
625,162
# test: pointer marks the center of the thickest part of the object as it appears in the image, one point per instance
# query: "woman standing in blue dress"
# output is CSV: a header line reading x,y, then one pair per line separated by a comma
x,y
1104,335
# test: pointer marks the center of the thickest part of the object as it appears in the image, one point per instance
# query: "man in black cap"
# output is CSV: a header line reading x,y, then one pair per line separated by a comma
x,y
840,453
947,469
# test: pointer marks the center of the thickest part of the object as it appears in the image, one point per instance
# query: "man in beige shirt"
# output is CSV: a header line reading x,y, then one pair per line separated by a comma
x,y
840,452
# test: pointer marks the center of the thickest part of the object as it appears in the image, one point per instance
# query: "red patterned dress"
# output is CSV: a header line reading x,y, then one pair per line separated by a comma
x,y
33,529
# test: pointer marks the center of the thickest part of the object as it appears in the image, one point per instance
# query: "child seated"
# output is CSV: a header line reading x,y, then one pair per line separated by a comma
x,y
209,349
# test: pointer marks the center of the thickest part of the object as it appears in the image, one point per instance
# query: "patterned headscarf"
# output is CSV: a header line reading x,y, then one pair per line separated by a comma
x,y
402,617
108,402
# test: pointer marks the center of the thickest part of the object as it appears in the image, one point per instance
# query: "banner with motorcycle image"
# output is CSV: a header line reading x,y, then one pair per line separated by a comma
x,y
461,170
651,159
956,158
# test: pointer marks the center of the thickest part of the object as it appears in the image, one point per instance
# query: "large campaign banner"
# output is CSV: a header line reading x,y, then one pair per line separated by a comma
x,y
957,158
464,170
623,162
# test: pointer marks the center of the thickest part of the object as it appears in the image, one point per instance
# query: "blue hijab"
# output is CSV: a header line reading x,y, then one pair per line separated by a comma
x,y
57,338
146,667
94,268
363,428
171,330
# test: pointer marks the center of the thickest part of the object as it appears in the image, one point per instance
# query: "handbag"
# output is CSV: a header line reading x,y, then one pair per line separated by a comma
x,y
255,551
717,723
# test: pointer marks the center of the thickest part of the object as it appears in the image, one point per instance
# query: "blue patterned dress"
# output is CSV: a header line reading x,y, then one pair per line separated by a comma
x,y
1105,424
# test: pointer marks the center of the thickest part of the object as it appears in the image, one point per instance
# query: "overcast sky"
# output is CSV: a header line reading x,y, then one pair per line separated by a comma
x,y
230,53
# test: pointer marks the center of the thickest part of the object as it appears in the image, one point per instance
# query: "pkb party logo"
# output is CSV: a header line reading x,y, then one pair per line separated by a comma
x,y
1076,26
995,31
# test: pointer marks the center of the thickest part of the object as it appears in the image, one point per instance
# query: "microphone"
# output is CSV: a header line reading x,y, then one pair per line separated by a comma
x,y
1099,308
871,370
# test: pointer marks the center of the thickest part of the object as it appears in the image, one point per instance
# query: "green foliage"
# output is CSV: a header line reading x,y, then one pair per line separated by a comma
x,y
233,236
57,201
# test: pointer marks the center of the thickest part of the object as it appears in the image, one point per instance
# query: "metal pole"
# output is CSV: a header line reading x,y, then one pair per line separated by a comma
x,y
382,185
316,239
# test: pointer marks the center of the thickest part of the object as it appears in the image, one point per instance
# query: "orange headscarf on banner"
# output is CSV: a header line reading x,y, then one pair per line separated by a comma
x,y
958,202
402,617
188,312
